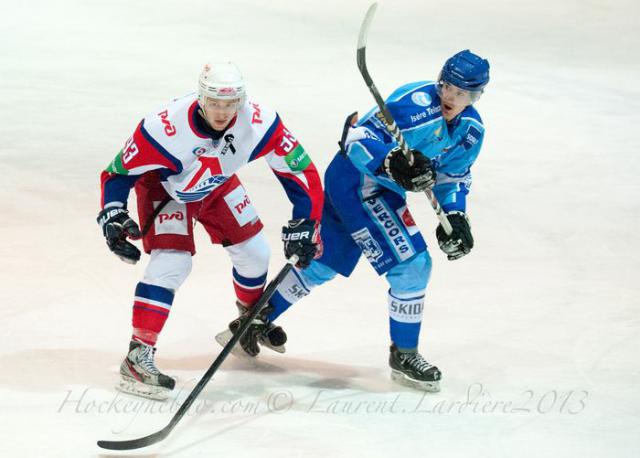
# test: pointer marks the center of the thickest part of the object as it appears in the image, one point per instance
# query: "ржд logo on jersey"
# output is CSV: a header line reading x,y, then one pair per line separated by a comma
x,y
240,206
169,128
172,219
255,117
169,216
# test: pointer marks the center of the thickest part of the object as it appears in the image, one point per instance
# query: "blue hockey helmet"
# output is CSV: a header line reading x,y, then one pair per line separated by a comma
x,y
466,70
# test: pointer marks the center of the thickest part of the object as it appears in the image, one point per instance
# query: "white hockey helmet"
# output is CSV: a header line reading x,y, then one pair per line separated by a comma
x,y
221,81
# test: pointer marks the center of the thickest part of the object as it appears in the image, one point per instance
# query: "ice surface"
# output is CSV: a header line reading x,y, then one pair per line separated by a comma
x,y
536,332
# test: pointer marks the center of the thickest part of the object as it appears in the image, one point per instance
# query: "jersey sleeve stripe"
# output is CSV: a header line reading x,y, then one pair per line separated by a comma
x,y
115,188
266,144
308,199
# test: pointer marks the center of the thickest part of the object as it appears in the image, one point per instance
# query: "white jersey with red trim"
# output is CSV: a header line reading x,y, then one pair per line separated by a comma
x,y
193,163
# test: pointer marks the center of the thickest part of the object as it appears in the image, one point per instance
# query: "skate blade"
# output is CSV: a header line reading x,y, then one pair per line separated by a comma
x,y
130,385
223,339
405,380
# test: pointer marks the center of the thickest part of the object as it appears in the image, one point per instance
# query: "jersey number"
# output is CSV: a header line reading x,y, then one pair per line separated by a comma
x,y
129,151
288,141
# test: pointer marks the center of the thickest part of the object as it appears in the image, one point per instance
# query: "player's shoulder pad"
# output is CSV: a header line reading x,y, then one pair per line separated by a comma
x,y
257,115
471,116
168,122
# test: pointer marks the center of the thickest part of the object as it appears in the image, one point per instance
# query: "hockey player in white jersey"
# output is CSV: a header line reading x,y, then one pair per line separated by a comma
x,y
366,213
182,160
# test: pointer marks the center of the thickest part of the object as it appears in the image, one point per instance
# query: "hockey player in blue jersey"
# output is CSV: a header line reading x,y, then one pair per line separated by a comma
x,y
365,210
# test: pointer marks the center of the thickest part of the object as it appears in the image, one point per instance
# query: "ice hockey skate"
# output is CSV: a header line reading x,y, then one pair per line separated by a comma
x,y
261,332
412,370
140,376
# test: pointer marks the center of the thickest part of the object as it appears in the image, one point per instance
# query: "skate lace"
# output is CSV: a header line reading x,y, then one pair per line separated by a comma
x,y
416,361
145,359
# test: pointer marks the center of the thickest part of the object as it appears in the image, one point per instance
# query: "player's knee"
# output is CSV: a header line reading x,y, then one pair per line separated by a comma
x,y
412,275
251,257
168,268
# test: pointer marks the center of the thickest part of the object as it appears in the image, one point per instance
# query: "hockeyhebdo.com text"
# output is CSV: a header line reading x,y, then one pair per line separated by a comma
x,y
476,400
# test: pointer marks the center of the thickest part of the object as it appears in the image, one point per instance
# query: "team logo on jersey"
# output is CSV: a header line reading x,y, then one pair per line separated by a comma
x,y
421,98
228,146
208,177
368,245
199,151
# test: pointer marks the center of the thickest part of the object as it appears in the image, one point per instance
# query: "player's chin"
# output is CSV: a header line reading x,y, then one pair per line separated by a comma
x,y
219,125
450,111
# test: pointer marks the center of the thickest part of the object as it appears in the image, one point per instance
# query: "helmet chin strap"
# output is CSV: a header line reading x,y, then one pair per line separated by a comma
x,y
202,112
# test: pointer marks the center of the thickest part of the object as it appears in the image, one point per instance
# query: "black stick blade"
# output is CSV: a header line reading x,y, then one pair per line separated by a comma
x,y
134,443
160,435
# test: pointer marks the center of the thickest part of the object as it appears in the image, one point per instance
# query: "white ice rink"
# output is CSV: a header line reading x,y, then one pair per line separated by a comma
x,y
536,332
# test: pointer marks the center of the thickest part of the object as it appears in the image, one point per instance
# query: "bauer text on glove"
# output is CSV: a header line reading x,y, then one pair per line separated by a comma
x,y
302,238
116,227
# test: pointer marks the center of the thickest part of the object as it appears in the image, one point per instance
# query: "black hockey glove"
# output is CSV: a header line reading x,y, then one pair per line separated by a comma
x,y
416,177
302,238
117,227
460,242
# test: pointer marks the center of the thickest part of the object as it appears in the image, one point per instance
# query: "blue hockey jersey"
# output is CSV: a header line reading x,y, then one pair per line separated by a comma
x,y
452,147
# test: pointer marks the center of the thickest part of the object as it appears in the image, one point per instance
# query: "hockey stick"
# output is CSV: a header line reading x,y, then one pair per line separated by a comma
x,y
164,432
156,212
385,115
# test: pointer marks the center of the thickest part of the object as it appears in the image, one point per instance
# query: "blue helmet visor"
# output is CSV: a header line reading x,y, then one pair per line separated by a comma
x,y
447,90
